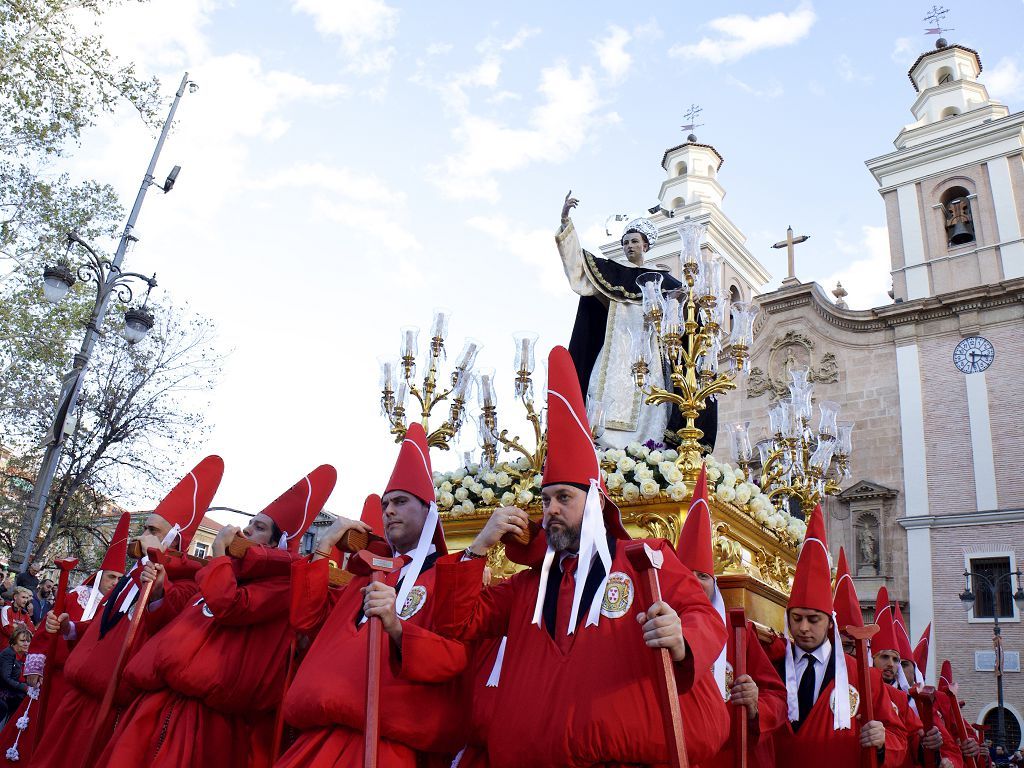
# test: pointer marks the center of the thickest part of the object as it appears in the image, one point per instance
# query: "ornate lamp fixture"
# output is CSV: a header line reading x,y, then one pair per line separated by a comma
x,y
683,333
797,461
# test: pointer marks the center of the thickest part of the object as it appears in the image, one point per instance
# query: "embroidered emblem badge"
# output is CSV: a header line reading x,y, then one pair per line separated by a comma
x,y
416,599
854,701
730,676
618,595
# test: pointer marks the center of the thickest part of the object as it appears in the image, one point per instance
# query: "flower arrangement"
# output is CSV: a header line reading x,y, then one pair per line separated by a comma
x,y
637,472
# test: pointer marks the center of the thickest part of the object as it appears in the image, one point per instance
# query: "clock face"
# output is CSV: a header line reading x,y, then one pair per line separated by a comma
x,y
974,354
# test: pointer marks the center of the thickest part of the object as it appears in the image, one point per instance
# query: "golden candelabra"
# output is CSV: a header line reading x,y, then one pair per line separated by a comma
x,y
398,383
796,461
682,334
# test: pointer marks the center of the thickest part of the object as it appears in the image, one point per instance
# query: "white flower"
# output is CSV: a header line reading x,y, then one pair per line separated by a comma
x,y
725,493
487,496
729,478
458,474
445,500
649,488
625,464
761,515
490,478
508,499
643,472
634,449
477,489
614,454
670,454
522,463
446,487
759,503
713,474
670,472
462,494
615,481
630,492
503,480
677,491
654,458
473,468
743,494
524,497
538,480
467,507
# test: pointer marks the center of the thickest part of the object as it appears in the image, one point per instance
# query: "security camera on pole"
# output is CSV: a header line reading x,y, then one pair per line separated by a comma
x,y
110,281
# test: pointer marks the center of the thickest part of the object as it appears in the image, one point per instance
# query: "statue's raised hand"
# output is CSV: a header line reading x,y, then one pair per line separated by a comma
x,y
569,203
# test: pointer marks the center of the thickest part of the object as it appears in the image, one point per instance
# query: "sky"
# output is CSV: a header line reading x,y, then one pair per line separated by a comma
x,y
348,165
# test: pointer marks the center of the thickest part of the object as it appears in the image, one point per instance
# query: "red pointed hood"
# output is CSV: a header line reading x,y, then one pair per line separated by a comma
x,y
812,584
188,501
946,676
921,649
694,548
885,639
373,514
571,458
902,635
413,474
845,597
816,527
296,509
117,553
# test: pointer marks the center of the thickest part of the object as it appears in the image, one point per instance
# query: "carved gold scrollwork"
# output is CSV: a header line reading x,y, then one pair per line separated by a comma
x,y
501,567
660,525
773,568
728,553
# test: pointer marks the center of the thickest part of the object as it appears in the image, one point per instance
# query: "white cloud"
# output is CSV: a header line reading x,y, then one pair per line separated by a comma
x,y
535,248
439,49
867,273
556,129
352,184
356,217
904,51
740,35
362,26
773,88
848,72
1005,81
523,34
612,54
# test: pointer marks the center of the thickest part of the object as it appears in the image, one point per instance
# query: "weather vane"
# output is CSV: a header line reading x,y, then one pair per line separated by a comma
x,y
691,116
936,16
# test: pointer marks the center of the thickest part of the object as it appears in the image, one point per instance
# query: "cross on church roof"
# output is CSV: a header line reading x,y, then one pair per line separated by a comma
x,y
691,116
936,16
788,244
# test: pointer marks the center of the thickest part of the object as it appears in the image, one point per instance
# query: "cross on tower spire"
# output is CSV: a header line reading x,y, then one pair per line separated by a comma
x,y
788,244
936,16
691,116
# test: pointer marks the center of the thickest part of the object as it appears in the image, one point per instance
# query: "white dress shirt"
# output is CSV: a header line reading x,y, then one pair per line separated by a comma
x,y
821,655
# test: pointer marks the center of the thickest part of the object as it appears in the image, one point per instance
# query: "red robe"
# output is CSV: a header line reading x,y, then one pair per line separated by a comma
x,y
420,718
55,649
10,618
911,723
481,701
89,668
596,703
950,748
816,743
771,706
213,677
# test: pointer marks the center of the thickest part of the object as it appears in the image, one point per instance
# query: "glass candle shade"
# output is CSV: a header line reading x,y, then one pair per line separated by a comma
x,y
525,342
485,388
410,341
827,425
467,357
691,235
743,315
389,368
439,325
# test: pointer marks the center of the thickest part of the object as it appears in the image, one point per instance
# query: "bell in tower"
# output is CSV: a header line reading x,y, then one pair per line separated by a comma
x,y
959,226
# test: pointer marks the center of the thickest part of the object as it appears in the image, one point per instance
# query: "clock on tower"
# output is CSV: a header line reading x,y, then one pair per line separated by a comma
x,y
974,354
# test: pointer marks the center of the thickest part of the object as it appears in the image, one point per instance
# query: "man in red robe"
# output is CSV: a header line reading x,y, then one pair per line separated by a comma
x,y
49,652
948,703
759,692
577,682
212,679
97,643
420,720
825,723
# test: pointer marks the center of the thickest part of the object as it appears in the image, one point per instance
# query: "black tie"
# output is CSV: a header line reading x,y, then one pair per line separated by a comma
x,y
805,693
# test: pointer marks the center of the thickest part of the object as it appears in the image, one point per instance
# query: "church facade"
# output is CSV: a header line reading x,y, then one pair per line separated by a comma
x,y
933,381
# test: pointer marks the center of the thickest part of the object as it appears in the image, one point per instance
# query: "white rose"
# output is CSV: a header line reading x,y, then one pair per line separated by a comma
x,y
462,494
458,474
654,458
625,464
538,480
743,494
490,478
670,454
474,469
634,449
630,492
649,488
761,515
615,481
503,480
446,487
524,497
487,496
508,499
677,491
467,507
445,500
675,476
613,455
729,478
643,473
713,474
725,493
522,463
476,489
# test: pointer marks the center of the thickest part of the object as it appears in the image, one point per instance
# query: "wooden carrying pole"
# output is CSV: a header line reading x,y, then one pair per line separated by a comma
x,y
101,731
924,697
65,566
959,724
861,635
366,563
647,561
737,625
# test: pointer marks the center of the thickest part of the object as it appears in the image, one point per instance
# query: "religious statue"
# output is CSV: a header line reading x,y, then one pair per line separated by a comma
x,y
868,552
609,310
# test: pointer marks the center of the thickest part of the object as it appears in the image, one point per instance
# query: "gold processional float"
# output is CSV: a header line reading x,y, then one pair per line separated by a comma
x,y
754,537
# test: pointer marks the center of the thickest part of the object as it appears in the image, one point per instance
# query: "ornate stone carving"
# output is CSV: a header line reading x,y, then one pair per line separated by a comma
x,y
773,568
728,554
789,351
659,525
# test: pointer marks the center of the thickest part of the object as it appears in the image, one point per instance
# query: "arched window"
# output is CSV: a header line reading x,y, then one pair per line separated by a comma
x,y
677,202
956,207
944,75
949,112
1013,727
734,296
711,170
680,169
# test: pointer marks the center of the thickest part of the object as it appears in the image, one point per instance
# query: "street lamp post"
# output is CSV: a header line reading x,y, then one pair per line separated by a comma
x,y
111,281
967,598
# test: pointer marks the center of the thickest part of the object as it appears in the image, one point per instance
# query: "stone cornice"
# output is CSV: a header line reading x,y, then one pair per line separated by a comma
x,y
891,315
992,517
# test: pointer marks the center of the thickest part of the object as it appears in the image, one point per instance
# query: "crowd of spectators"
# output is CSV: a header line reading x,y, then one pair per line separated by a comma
x,y
25,599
